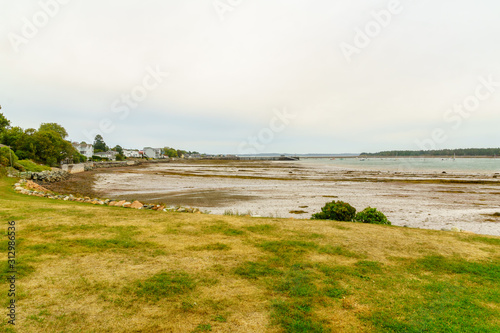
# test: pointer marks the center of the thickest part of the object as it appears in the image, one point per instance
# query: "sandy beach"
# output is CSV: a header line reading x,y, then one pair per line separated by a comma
x,y
296,190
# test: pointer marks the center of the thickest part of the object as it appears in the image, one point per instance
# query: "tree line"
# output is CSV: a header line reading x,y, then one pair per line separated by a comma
x,y
101,146
172,152
45,145
48,145
467,152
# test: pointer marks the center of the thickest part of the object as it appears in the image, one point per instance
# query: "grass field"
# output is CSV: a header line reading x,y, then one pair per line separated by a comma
x,y
85,268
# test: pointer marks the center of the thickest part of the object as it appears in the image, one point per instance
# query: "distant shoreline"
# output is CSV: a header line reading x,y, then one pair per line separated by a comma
x,y
429,156
422,156
369,156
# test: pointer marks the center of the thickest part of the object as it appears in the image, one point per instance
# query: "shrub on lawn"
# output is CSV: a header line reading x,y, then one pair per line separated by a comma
x,y
371,215
7,156
336,210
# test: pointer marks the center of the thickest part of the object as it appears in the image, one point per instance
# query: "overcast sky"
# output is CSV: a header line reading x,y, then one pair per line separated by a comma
x,y
252,76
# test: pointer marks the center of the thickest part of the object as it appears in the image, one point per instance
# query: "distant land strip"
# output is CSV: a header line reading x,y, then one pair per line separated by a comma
x,y
463,152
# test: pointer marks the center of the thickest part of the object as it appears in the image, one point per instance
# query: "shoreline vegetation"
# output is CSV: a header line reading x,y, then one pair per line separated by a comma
x,y
97,268
462,152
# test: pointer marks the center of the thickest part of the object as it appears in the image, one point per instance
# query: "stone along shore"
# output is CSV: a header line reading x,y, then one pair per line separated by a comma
x,y
28,187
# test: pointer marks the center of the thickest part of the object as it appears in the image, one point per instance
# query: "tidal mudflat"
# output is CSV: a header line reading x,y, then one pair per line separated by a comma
x,y
430,200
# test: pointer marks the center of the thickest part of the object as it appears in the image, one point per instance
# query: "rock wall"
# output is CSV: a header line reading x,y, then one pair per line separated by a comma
x,y
55,175
74,168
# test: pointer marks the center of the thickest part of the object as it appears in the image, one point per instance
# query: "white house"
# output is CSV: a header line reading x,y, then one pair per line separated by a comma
x,y
153,152
110,155
131,153
86,150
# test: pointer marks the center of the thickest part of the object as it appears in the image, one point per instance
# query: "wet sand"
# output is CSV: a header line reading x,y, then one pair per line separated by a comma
x,y
292,189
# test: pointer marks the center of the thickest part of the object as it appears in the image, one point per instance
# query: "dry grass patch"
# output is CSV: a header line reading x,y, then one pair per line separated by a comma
x,y
85,268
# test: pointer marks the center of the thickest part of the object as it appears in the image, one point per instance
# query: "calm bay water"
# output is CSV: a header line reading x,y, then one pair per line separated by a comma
x,y
459,165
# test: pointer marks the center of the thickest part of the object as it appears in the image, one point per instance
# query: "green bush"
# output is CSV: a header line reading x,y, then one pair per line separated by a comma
x,y
79,158
336,210
29,165
371,215
5,156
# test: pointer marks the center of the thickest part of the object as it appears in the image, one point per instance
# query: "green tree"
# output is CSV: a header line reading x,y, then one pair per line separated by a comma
x,y
11,136
99,144
51,148
54,127
20,141
4,122
118,149
26,145
170,152
47,145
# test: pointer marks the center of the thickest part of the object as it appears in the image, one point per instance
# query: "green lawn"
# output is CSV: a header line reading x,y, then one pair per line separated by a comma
x,y
86,268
